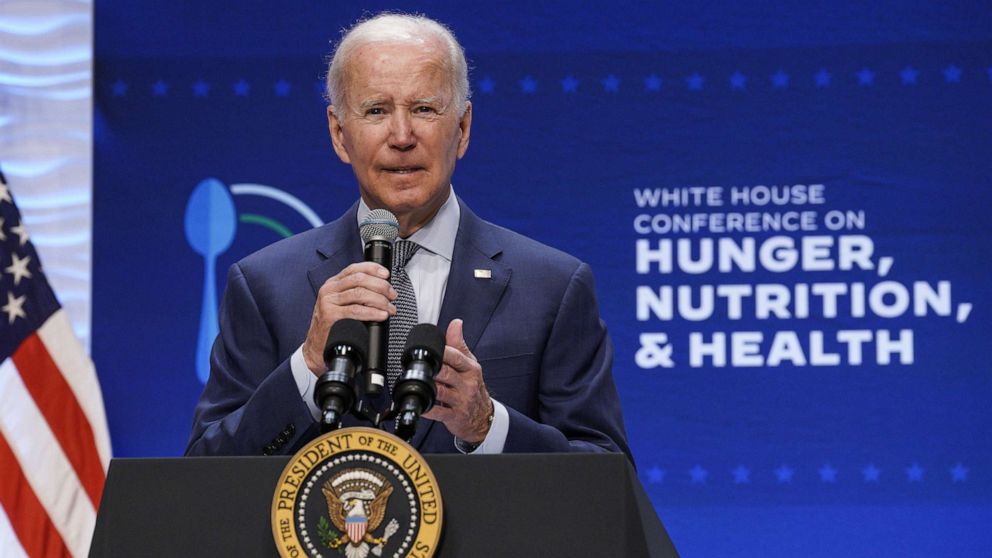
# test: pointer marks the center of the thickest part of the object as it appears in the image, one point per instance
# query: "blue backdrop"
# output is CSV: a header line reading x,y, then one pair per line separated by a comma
x,y
786,210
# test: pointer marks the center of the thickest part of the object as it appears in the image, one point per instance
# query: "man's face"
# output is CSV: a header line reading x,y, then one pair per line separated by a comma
x,y
400,129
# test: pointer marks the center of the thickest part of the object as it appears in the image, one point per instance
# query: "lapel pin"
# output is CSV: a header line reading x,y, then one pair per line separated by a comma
x,y
483,274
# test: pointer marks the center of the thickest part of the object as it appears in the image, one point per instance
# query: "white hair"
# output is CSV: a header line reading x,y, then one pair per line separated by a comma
x,y
389,27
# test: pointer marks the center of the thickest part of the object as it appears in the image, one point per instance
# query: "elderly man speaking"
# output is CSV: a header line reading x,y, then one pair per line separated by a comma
x,y
527,366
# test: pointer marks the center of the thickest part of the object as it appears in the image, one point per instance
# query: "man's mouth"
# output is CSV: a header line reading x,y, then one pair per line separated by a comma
x,y
402,170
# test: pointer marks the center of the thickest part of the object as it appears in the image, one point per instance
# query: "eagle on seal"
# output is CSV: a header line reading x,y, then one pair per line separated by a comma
x,y
356,502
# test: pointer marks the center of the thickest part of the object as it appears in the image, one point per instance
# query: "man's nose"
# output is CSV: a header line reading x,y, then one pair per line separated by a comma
x,y
401,136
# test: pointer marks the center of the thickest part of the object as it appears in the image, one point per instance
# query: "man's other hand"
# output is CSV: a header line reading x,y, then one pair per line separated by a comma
x,y
462,402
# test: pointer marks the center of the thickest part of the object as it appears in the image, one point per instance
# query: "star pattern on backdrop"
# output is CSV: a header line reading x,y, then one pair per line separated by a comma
x,y
569,84
822,78
959,473
653,83
201,88
914,473
694,82
780,79
119,88
784,474
611,84
656,475
742,475
827,473
697,475
952,74
908,75
528,85
487,85
866,76
871,473
738,80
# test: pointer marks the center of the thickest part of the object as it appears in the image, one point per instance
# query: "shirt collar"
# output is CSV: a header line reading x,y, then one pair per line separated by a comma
x,y
438,235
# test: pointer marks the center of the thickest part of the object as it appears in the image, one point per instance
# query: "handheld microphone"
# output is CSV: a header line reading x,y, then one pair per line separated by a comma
x,y
344,356
415,390
378,229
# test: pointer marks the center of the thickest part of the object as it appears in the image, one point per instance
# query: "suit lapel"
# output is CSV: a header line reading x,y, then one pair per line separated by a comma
x,y
477,279
340,247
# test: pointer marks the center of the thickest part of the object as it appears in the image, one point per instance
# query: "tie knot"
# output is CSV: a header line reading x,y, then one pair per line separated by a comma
x,y
403,250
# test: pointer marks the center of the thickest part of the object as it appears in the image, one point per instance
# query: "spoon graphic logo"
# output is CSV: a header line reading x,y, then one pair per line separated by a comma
x,y
211,222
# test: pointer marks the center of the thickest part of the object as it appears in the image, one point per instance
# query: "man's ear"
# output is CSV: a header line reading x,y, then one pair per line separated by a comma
x,y
337,135
465,125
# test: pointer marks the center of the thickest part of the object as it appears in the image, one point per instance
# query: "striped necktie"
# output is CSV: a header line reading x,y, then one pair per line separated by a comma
x,y
406,308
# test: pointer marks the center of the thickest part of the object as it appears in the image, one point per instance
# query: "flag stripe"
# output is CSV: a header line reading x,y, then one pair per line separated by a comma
x,y
36,535
77,368
45,466
9,543
58,404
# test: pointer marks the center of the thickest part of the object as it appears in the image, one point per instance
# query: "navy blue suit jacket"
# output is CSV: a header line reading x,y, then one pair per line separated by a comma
x,y
534,326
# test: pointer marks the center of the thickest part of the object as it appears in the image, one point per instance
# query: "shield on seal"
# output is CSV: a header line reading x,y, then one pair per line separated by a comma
x,y
356,526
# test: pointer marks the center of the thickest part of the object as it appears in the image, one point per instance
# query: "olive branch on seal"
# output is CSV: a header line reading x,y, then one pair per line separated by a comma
x,y
327,534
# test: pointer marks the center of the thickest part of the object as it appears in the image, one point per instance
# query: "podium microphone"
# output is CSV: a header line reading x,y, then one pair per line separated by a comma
x,y
344,356
415,391
378,229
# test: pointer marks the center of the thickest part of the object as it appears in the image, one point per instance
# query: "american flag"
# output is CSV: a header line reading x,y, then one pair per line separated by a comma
x,y
54,444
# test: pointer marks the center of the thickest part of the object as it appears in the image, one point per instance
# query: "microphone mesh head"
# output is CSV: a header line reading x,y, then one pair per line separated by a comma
x,y
347,332
379,223
425,336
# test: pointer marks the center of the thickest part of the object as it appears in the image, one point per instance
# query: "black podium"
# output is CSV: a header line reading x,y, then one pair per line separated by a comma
x,y
546,505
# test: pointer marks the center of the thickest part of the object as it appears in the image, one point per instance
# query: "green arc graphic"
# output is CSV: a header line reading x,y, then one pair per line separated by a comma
x,y
266,222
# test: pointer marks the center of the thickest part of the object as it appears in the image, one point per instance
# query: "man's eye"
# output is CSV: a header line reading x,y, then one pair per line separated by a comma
x,y
374,111
425,110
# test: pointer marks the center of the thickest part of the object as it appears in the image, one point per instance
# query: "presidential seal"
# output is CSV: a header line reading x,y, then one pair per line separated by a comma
x,y
357,492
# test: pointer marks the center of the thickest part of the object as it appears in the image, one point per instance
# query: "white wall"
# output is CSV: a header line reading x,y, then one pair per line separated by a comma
x,y
46,138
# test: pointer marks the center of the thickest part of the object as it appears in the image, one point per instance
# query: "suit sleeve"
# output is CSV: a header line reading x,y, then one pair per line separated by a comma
x,y
578,405
251,404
